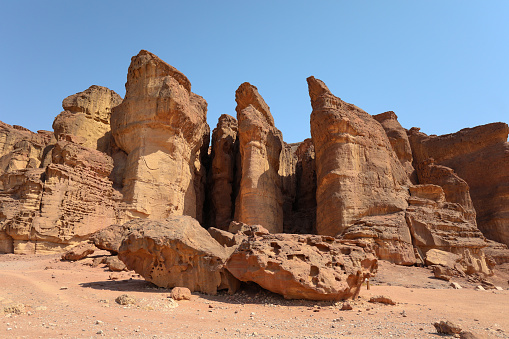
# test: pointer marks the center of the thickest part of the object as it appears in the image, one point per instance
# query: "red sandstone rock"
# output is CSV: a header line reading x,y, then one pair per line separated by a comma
x,y
224,158
176,252
480,156
260,199
162,127
302,266
439,225
358,173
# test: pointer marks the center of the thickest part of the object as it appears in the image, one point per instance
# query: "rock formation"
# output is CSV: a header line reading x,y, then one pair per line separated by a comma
x,y
302,266
175,252
87,115
224,165
259,200
479,156
75,199
21,148
399,141
358,173
162,127
437,224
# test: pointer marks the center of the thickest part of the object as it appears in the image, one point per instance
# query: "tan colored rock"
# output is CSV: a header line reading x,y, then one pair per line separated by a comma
x,y
87,115
382,299
20,148
399,141
498,252
224,159
447,327
176,252
259,200
358,173
443,273
75,200
180,293
441,258
109,238
162,127
79,252
437,225
302,266
115,264
480,156
387,235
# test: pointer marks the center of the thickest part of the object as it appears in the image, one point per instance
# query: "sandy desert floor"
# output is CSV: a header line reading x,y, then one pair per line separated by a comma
x,y
75,300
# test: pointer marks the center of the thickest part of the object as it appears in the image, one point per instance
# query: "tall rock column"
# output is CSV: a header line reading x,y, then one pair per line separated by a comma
x,y
358,173
162,127
259,200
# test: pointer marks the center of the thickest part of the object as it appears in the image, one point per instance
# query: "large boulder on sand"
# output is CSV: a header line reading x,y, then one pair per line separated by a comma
x,y
175,252
302,266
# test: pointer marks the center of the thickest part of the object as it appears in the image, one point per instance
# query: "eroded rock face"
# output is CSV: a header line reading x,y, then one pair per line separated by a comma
x,y
358,173
480,156
302,266
436,224
387,235
20,148
260,200
75,199
87,115
162,127
176,252
224,159
399,141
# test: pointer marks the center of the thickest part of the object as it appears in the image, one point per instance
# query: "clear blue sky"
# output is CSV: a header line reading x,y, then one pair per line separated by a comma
x,y
440,65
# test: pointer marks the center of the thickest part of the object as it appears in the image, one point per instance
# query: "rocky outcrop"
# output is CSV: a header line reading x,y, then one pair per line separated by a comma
x,y
109,238
259,200
224,164
162,127
436,224
302,266
75,199
176,252
299,190
480,156
87,115
399,141
386,235
358,173
20,148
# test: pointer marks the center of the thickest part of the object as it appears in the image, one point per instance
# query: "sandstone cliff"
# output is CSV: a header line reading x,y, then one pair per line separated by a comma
x,y
162,127
479,156
358,173
260,199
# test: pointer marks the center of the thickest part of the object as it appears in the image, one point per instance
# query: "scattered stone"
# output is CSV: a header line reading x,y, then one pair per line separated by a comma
x,y
382,300
447,327
180,293
125,299
455,285
346,307
15,309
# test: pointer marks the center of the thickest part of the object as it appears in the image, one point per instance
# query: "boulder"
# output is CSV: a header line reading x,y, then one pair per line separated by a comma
x,y
302,266
87,115
260,199
480,156
79,252
162,127
224,165
438,225
180,293
109,238
358,172
176,252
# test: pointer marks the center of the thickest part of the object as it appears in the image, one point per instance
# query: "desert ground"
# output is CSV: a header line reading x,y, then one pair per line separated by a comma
x,y
44,297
